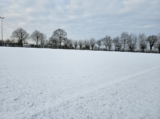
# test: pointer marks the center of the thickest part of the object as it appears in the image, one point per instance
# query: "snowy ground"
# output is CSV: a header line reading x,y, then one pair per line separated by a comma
x,y
70,84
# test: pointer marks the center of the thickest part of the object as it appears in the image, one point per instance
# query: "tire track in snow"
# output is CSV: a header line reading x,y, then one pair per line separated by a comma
x,y
118,80
68,99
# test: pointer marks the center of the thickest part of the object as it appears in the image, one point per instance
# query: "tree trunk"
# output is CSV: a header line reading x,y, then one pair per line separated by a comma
x,y
108,49
60,44
20,43
142,50
150,47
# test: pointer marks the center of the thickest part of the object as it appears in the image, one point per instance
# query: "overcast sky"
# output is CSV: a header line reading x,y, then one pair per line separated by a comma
x,y
82,19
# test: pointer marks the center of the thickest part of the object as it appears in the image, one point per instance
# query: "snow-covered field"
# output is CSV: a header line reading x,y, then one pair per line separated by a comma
x,y
70,84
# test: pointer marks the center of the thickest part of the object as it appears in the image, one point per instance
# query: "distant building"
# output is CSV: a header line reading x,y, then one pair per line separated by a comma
x,y
27,45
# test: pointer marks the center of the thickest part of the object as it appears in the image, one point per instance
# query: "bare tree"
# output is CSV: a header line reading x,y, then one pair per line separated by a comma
x,y
53,42
7,42
60,35
92,43
44,37
158,46
50,44
107,41
10,42
68,44
86,44
75,44
124,38
21,35
38,37
117,43
152,40
131,42
142,42
80,44
99,44
158,42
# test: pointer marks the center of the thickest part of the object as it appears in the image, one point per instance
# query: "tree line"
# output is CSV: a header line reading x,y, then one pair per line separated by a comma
x,y
125,42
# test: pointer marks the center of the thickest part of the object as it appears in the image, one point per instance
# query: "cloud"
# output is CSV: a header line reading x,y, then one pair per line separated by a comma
x,y
82,19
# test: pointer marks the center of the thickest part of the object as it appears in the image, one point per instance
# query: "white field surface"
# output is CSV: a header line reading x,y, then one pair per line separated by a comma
x,y
74,84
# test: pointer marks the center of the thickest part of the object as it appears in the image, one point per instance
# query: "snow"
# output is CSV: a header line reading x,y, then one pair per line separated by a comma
x,y
74,84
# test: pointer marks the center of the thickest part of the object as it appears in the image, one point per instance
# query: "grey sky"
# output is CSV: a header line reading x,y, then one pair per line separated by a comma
x,y
82,19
